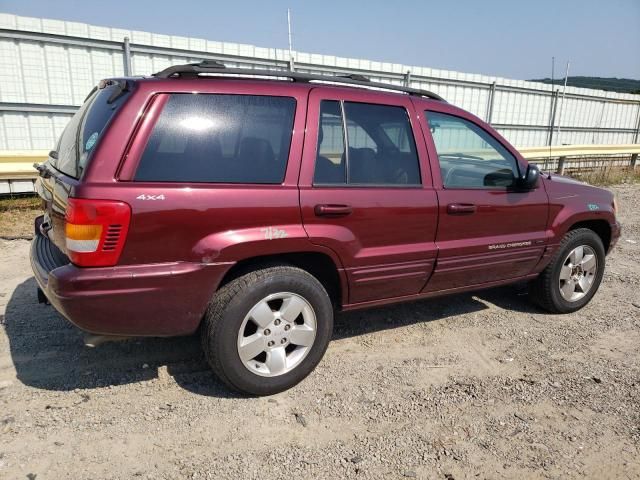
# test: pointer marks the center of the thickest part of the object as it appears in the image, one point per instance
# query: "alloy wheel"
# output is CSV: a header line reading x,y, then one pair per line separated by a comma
x,y
277,334
578,273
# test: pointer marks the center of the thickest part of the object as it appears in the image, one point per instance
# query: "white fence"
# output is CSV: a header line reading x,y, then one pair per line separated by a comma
x,y
48,66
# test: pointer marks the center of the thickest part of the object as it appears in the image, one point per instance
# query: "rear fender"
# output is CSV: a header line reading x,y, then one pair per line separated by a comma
x,y
234,246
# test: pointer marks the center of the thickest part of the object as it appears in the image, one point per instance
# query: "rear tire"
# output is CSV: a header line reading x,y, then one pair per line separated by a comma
x,y
573,275
266,330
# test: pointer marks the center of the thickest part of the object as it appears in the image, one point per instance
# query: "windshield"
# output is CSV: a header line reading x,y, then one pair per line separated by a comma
x,y
84,130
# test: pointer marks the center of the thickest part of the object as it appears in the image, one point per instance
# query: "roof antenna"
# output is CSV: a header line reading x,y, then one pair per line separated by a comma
x,y
564,88
291,67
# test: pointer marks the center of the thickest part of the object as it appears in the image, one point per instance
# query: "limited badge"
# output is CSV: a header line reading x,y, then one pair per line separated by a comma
x,y
91,141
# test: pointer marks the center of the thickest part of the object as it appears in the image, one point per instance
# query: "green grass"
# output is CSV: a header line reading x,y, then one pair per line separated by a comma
x,y
20,203
608,176
17,215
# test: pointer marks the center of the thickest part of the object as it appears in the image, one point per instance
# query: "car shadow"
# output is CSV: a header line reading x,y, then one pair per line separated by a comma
x,y
48,352
359,322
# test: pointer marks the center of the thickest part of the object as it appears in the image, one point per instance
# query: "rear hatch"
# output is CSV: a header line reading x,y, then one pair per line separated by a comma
x,y
64,168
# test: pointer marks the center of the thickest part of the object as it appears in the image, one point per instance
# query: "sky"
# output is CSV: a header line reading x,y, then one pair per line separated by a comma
x,y
508,38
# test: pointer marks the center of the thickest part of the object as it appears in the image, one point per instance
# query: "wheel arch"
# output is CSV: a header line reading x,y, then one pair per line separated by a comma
x,y
600,226
318,264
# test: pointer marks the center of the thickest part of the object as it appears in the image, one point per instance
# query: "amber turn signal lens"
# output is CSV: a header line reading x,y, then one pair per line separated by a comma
x,y
83,232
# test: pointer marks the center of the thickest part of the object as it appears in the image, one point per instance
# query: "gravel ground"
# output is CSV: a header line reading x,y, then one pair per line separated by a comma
x,y
471,386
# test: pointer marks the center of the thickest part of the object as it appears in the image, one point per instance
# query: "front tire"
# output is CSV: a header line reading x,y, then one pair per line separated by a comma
x,y
265,331
574,274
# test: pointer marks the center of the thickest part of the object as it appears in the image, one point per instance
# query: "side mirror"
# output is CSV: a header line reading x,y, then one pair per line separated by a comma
x,y
529,180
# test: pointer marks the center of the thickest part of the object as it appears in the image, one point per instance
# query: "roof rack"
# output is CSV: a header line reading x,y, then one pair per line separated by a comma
x,y
192,70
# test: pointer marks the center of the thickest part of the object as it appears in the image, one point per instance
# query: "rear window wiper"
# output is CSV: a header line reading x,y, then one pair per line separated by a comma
x,y
121,86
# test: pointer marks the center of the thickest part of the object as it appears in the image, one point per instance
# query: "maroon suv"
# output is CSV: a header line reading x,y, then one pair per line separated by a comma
x,y
252,208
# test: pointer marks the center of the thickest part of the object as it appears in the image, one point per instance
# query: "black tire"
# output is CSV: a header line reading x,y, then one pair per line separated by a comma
x,y
232,303
545,291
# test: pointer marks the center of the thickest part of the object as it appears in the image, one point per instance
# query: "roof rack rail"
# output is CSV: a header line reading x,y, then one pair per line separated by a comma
x,y
192,70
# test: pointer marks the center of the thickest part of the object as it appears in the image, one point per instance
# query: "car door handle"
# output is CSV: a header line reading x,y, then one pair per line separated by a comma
x,y
461,208
332,210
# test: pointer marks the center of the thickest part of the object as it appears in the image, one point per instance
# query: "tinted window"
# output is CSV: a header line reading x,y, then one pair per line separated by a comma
x,y
376,159
469,157
86,128
399,135
358,136
381,147
330,157
221,139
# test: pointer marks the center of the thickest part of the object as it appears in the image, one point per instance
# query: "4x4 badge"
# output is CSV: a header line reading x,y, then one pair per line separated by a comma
x,y
144,196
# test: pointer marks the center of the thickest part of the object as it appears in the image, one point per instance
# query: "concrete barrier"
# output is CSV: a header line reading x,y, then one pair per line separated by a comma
x,y
17,173
16,170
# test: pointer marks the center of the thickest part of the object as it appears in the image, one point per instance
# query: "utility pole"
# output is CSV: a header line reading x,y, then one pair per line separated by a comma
x,y
564,88
291,67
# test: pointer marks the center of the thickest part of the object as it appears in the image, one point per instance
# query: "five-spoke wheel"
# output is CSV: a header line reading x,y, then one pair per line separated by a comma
x,y
573,274
578,273
266,330
277,334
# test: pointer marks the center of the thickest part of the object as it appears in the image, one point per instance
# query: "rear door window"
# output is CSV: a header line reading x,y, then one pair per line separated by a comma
x,y
219,138
381,148
330,156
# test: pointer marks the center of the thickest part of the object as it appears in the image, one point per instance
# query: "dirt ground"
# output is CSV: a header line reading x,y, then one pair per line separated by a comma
x,y
473,386
16,217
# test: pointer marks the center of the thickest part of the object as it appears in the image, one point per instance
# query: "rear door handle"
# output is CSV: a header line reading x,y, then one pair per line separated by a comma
x,y
461,209
332,210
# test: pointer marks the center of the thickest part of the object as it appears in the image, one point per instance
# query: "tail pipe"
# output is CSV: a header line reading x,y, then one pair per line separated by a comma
x,y
42,298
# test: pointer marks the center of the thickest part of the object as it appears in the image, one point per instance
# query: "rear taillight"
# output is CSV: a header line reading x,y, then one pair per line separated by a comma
x,y
95,231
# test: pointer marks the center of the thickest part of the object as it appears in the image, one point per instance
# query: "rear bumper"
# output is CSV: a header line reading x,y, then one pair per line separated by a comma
x,y
164,299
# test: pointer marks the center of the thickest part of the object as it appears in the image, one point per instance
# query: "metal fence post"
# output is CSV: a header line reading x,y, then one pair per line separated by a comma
x,y
561,161
552,115
407,78
634,161
127,57
492,95
637,135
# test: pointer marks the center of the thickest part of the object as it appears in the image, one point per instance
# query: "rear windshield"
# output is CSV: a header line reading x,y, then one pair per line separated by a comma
x,y
219,138
84,130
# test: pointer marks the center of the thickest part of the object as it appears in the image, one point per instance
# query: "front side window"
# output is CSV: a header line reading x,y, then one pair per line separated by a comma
x,y
219,139
380,149
469,157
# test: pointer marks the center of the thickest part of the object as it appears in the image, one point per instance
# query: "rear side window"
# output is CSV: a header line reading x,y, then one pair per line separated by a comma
x,y
219,139
380,146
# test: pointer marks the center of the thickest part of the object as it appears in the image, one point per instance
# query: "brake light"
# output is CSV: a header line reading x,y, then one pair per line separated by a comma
x,y
95,231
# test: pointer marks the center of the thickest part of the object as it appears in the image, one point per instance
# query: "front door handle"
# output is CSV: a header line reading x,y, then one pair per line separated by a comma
x,y
332,210
461,209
